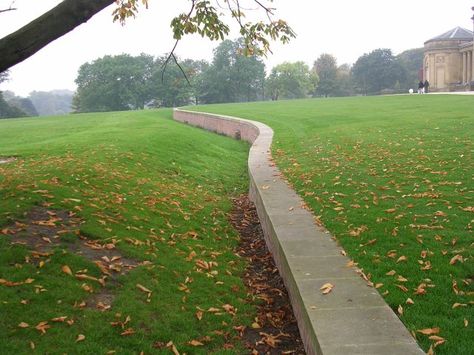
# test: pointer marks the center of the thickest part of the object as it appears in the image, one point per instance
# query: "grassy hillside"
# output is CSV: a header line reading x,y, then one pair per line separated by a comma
x,y
392,179
114,236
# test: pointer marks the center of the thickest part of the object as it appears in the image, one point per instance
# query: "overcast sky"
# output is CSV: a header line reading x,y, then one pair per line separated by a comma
x,y
344,28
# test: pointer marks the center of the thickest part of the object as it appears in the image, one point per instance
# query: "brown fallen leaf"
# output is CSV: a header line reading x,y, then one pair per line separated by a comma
x,y
430,351
172,347
195,343
326,288
128,331
229,309
59,319
429,331
456,305
143,289
23,325
391,273
400,310
80,337
42,327
437,339
409,301
402,258
456,258
400,278
420,290
199,315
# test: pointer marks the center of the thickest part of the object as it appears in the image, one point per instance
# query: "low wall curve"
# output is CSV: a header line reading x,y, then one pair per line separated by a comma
x,y
353,318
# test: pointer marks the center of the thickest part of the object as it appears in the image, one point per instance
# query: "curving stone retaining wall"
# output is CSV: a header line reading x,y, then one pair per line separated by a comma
x,y
353,318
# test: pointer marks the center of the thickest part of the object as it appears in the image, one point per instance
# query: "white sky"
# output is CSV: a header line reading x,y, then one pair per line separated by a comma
x,y
344,28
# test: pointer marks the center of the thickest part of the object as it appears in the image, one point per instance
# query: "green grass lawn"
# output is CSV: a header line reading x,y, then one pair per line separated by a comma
x,y
146,188
392,179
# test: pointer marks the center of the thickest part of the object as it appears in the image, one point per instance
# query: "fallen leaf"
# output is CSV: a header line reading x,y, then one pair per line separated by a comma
x,y
80,337
66,269
172,347
400,310
456,258
23,325
229,309
199,315
195,343
143,289
326,288
409,301
429,331
59,319
128,331
42,327
402,258
438,340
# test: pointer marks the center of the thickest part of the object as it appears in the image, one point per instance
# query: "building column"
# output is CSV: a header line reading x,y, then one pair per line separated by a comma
x,y
469,66
472,66
464,67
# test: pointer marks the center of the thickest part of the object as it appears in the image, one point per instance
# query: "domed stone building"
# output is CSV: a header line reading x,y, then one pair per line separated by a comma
x,y
448,61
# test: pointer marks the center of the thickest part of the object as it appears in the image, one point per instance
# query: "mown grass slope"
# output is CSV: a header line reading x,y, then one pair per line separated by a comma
x,y
392,179
143,188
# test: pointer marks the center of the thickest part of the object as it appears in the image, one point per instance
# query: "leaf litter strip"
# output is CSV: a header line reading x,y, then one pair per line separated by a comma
x,y
275,330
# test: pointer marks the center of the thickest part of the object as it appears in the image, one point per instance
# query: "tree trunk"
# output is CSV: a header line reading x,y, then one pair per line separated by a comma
x,y
55,23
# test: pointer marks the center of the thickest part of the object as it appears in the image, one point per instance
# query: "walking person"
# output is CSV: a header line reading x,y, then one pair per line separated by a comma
x,y
421,86
426,86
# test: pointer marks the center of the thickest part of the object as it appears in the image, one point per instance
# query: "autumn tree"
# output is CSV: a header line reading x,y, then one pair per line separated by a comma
x,y
204,17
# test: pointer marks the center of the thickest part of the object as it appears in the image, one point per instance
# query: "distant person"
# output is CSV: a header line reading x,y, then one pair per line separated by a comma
x,y
421,86
426,86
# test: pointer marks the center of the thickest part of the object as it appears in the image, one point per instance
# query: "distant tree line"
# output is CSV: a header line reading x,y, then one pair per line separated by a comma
x,y
38,103
125,82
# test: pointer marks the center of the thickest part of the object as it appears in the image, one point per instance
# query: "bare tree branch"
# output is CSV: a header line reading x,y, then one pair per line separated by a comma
x,y
10,8
171,55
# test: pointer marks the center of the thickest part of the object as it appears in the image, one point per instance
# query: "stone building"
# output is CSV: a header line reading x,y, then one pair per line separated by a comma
x,y
448,63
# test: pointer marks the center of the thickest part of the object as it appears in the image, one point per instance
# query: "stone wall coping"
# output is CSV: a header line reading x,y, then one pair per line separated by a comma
x,y
351,319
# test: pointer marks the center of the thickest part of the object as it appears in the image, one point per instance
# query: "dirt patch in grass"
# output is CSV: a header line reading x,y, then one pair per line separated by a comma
x,y
5,160
275,330
43,230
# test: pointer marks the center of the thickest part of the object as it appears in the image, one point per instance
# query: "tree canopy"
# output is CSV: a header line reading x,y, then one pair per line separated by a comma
x,y
125,82
378,70
326,69
291,81
232,77
204,17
